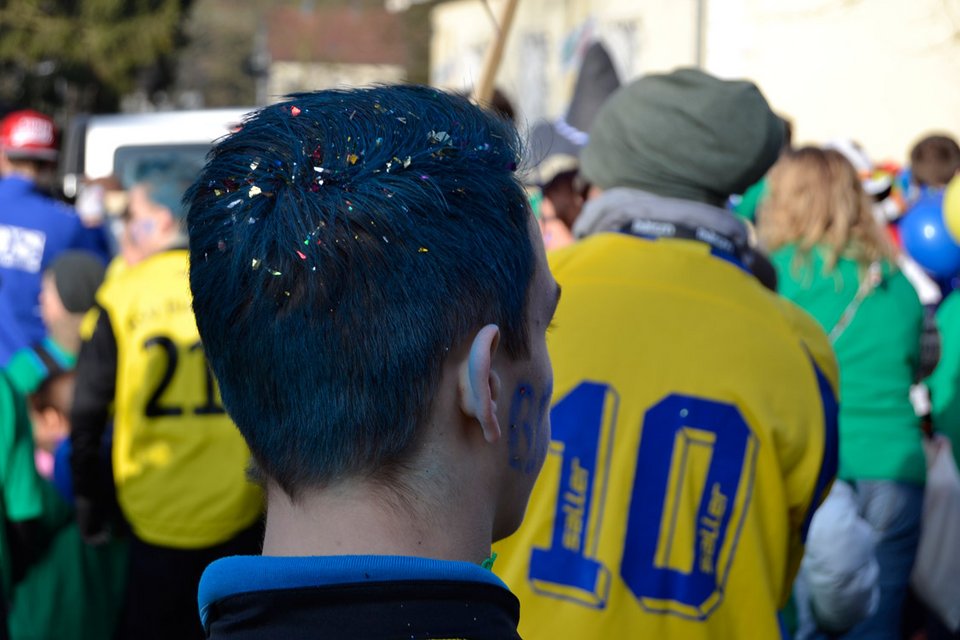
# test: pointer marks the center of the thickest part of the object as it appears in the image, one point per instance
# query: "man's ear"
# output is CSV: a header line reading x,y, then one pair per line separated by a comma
x,y
480,384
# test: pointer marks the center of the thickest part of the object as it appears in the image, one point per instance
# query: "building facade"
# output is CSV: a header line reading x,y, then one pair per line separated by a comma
x,y
879,71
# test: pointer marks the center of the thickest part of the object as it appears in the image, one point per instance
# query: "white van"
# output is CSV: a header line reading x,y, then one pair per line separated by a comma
x,y
119,145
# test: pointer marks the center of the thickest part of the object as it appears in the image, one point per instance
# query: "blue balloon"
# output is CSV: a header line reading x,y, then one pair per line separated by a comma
x,y
925,237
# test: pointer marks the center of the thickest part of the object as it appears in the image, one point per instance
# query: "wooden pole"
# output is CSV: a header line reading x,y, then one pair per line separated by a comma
x,y
483,92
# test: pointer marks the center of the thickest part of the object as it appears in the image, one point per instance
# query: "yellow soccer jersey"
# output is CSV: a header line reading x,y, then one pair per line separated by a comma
x,y
178,460
693,433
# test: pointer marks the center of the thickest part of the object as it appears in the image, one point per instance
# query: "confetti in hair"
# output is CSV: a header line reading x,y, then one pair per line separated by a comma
x,y
391,207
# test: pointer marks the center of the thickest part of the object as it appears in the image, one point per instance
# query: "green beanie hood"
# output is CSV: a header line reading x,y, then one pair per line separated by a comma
x,y
684,134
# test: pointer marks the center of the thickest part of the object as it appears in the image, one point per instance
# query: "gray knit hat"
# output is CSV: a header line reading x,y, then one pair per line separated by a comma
x,y
78,275
684,134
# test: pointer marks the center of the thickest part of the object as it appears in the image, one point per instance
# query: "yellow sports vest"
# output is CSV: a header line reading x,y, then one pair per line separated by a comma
x,y
692,416
178,460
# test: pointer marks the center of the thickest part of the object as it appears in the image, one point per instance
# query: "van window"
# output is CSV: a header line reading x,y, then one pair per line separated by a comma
x,y
131,162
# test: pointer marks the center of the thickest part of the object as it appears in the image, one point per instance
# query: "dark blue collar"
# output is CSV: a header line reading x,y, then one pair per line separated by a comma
x,y
721,246
244,574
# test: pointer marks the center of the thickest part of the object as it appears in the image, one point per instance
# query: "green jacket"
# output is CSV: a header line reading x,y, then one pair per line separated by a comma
x,y
74,591
878,353
21,488
30,366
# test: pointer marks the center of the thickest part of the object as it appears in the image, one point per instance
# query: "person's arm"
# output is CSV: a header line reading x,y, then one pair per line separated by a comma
x,y
21,486
944,382
807,439
96,382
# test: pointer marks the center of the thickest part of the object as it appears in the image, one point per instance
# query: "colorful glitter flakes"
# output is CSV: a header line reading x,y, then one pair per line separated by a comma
x,y
439,137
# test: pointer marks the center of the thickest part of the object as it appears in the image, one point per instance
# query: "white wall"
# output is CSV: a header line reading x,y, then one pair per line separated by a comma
x,y
547,41
881,71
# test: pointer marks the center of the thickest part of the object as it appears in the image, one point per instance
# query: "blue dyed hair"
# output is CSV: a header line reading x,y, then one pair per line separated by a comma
x,y
166,179
341,243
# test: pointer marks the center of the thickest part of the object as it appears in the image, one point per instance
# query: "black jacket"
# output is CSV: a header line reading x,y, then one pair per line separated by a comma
x,y
246,598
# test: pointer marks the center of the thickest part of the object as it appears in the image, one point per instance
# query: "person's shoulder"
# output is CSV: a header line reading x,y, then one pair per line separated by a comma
x,y
611,252
671,267
44,203
365,581
799,269
40,212
12,405
568,257
810,336
783,256
949,309
124,281
788,327
170,262
7,388
894,302
901,287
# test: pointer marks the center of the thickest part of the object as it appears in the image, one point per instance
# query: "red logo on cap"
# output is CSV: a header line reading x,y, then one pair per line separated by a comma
x,y
28,133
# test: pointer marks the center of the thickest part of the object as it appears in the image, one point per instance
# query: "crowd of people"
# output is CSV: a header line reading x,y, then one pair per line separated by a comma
x,y
382,369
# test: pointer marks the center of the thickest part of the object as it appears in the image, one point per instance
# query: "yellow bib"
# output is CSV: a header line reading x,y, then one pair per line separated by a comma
x,y
178,460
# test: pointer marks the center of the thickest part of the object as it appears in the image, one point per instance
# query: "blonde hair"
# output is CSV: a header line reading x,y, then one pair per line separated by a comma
x,y
816,199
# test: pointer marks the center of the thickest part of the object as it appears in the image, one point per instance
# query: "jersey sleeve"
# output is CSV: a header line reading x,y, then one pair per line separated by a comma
x,y
810,462
95,387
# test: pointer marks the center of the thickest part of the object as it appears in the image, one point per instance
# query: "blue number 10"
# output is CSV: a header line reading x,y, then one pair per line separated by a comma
x,y
693,451
566,569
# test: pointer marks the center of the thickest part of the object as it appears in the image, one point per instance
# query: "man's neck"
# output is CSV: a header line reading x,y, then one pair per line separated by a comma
x,y
23,170
66,334
357,519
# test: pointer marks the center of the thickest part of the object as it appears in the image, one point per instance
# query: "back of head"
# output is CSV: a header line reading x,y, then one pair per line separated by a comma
x,y
816,198
341,244
684,134
165,181
934,161
77,275
50,407
55,392
28,135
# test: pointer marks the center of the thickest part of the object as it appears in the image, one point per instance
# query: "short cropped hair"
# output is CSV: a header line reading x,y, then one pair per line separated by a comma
x,y
934,160
341,243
